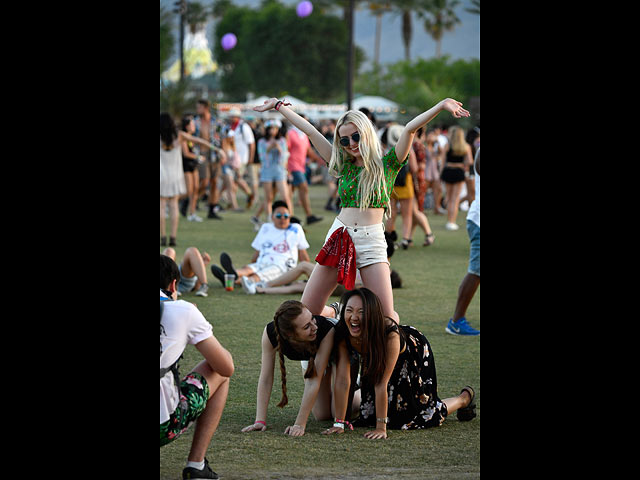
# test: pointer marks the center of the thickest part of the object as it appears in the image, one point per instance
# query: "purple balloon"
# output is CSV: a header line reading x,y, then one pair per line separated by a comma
x,y
228,41
304,9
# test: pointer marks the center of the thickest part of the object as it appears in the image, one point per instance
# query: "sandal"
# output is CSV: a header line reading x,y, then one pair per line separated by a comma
x,y
429,239
405,243
469,412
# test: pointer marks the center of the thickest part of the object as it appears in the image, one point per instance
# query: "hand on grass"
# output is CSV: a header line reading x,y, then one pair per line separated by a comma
x,y
376,434
331,430
255,427
294,431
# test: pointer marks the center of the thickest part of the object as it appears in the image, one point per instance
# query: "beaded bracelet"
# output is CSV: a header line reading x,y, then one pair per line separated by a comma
x,y
340,423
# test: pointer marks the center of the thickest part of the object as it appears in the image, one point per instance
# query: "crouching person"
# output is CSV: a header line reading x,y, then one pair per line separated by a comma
x,y
201,395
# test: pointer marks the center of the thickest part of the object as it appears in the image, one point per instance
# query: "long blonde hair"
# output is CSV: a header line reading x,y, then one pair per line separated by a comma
x,y
457,141
371,181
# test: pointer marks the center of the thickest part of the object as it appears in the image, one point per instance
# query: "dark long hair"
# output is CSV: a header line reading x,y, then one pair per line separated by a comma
x,y
373,333
168,130
285,331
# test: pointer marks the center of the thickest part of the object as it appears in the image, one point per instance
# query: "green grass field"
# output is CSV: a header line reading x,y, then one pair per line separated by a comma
x,y
431,276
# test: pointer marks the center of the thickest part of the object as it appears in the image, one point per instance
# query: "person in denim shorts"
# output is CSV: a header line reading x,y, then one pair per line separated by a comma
x,y
458,323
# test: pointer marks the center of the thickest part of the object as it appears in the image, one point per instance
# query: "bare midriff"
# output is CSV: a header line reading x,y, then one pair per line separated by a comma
x,y
352,217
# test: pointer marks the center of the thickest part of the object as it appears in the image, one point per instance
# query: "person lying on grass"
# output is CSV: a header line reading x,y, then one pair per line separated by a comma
x,y
298,335
398,385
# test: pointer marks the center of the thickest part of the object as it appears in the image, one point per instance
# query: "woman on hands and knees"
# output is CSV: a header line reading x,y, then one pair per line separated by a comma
x,y
298,335
398,384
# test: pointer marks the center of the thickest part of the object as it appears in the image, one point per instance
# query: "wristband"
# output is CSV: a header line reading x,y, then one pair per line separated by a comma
x,y
260,421
340,423
382,420
279,103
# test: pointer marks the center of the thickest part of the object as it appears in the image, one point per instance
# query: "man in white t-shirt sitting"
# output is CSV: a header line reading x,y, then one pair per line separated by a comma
x,y
200,396
278,248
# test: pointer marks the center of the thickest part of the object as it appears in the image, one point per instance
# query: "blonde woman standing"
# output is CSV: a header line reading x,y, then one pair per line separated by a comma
x,y
457,161
366,177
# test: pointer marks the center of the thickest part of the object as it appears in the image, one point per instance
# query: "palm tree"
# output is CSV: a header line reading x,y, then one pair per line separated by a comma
x,y
166,38
475,7
405,7
196,16
442,19
378,9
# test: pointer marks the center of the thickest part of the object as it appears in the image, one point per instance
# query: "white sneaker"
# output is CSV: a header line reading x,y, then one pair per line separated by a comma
x,y
451,226
194,218
202,291
249,286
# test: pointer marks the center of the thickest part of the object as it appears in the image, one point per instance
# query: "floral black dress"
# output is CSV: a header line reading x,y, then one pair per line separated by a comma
x,y
412,389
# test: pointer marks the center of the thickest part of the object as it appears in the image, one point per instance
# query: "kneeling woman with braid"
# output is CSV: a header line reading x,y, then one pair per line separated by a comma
x,y
298,335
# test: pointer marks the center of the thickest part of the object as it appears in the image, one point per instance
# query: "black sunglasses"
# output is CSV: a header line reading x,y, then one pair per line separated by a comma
x,y
280,215
344,141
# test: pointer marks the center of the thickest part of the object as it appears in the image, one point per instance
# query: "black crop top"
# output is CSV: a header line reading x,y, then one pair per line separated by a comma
x,y
324,326
451,158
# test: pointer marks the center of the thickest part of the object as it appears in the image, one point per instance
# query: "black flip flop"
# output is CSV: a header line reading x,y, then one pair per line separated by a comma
x,y
469,412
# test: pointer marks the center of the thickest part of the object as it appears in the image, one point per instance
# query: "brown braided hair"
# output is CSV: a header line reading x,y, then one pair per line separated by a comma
x,y
285,332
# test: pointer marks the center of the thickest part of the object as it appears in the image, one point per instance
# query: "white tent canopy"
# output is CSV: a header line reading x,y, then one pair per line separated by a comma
x,y
383,108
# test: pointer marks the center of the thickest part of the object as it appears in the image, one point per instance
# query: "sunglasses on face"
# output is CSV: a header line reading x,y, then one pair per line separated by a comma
x,y
344,141
280,215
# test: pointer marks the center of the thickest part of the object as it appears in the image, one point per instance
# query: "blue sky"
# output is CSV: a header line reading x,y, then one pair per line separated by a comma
x,y
462,43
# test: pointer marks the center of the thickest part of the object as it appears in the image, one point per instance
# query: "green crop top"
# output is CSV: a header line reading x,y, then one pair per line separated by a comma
x,y
348,182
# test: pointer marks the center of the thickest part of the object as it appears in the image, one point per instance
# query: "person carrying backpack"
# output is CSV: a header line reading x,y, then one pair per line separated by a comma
x,y
201,395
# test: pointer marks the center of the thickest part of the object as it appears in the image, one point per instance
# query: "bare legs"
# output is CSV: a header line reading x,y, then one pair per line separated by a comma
x,y
466,292
173,213
193,263
323,281
208,421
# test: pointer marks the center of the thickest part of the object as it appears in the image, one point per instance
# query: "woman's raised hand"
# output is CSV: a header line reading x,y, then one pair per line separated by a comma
x,y
267,105
255,427
455,107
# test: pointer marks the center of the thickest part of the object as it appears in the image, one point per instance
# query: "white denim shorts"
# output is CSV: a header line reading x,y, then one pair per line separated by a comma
x,y
371,246
266,271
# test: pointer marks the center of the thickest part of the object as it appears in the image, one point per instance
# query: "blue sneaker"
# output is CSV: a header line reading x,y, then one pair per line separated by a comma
x,y
461,327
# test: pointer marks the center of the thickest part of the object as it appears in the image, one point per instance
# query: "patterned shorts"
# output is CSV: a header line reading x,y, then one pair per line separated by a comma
x,y
194,393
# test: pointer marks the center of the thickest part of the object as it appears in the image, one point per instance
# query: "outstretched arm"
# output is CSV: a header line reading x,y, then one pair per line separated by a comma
x,y
406,137
186,136
312,386
322,144
341,386
265,384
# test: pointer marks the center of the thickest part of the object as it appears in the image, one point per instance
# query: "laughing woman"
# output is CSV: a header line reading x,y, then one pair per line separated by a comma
x,y
366,177
398,385
298,335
